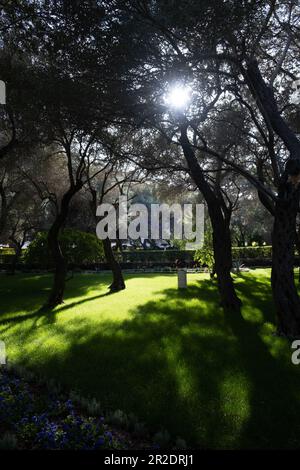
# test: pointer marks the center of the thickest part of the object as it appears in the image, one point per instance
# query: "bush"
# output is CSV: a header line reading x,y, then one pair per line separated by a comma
x,y
157,257
6,258
78,247
6,255
89,251
252,252
205,255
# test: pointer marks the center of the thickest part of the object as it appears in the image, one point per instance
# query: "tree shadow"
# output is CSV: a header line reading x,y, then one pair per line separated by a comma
x,y
151,365
178,362
28,293
275,406
255,291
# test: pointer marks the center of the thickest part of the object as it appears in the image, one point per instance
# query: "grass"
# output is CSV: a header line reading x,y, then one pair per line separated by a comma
x,y
170,357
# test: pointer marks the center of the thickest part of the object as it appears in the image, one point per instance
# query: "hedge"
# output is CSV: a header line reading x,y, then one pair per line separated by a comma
x,y
163,257
252,252
157,256
6,258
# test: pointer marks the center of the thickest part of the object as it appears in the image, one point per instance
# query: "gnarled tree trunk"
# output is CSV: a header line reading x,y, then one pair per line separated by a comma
x,y
3,209
285,294
220,225
60,270
118,280
223,261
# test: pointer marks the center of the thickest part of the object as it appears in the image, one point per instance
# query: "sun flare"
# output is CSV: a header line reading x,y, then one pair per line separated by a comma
x,y
178,97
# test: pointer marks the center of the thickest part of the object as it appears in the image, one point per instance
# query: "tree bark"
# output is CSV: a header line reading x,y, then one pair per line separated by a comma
x,y
264,96
118,280
285,294
220,225
60,270
298,250
223,258
3,210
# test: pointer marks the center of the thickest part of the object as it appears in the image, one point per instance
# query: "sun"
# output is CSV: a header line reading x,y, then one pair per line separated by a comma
x,y
178,97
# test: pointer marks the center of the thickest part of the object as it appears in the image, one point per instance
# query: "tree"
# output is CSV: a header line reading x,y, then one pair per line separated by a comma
x,y
242,47
21,213
220,215
171,142
250,222
24,222
98,193
71,104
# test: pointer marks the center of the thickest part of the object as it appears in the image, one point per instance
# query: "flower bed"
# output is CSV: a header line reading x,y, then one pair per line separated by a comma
x,y
33,417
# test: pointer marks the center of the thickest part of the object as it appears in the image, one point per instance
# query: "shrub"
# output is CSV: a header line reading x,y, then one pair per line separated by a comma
x,y
205,255
158,257
6,258
253,252
78,247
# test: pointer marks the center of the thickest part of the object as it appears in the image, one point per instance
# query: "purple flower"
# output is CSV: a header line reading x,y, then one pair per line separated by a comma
x,y
99,442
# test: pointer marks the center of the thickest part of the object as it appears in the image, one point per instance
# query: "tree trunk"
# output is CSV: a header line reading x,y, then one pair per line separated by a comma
x,y
223,258
60,272
3,210
213,272
12,268
118,280
285,294
297,243
220,225
59,281
298,250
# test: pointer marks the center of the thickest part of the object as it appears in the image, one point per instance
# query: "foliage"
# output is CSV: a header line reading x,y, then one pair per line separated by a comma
x,y
47,421
78,247
6,251
205,254
162,438
6,258
179,244
8,441
252,252
153,257
251,223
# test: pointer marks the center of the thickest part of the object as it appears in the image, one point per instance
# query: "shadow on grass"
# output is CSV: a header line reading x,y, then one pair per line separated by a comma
x,y
30,292
255,291
28,298
179,363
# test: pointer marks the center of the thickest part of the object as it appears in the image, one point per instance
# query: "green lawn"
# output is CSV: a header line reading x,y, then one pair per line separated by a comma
x,y
170,357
